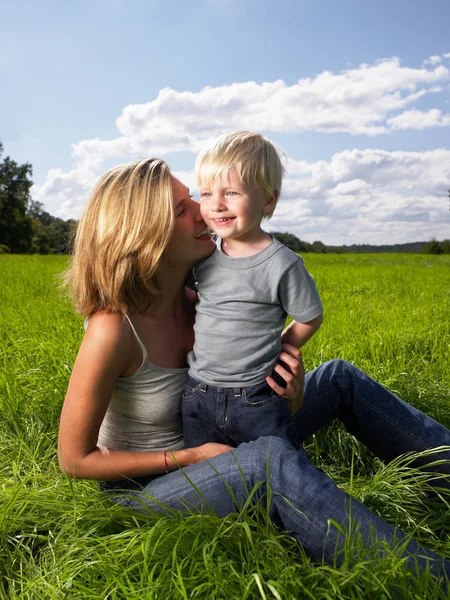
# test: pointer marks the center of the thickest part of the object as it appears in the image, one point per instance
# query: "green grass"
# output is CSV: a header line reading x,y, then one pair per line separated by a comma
x,y
388,314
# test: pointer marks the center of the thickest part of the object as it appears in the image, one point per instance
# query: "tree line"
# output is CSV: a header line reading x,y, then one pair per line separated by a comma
x,y
26,228
294,243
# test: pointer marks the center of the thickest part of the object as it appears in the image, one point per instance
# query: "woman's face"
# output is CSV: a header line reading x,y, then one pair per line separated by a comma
x,y
191,240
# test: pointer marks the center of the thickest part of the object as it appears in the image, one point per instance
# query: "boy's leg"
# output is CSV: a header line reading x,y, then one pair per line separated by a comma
x,y
198,404
257,411
382,421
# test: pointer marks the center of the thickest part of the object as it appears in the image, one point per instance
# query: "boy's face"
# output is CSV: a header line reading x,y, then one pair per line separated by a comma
x,y
233,208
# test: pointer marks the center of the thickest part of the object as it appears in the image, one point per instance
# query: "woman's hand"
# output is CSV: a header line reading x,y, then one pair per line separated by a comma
x,y
290,367
208,450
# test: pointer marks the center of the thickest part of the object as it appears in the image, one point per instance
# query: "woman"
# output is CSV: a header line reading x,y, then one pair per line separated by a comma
x,y
120,424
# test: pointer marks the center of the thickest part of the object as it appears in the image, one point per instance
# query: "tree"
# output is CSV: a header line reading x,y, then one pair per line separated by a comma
x,y
15,224
50,234
319,247
36,211
433,247
291,241
445,245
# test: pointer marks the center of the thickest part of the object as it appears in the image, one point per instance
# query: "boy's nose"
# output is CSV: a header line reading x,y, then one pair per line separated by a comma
x,y
217,204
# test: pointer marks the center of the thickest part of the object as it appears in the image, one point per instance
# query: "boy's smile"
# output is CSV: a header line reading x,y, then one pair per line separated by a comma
x,y
223,221
234,210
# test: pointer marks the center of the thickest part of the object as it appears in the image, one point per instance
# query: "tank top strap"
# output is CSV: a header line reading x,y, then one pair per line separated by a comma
x,y
143,348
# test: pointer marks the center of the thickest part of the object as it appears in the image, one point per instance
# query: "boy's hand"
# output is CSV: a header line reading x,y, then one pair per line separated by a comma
x,y
291,357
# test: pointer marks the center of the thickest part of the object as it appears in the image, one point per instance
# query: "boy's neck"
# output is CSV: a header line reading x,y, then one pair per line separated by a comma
x,y
252,243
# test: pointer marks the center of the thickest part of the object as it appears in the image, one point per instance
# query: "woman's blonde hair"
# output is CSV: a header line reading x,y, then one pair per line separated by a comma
x,y
254,158
120,240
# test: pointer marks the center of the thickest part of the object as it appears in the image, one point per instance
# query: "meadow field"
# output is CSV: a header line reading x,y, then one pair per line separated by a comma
x,y
388,314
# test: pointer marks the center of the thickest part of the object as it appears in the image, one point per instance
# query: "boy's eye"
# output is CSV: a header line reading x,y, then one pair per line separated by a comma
x,y
205,194
231,193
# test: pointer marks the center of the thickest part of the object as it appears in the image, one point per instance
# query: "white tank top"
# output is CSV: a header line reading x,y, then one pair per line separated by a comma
x,y
144,413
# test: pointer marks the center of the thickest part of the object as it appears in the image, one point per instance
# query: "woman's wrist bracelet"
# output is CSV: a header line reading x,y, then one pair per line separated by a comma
x,y
165,461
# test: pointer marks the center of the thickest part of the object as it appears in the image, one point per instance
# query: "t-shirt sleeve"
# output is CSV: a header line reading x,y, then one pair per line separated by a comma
x,y
298,293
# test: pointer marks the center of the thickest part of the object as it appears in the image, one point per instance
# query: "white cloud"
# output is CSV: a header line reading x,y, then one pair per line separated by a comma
x,y
67,191
434,60
359,196
355,101
367,196
418,119
359,187
188,178
350,187
358,101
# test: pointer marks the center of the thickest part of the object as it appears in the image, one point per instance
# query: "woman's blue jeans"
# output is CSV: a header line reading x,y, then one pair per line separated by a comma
x,y
303,500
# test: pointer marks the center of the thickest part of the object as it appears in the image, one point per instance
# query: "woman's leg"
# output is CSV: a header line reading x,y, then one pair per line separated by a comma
x,y
382,421
303,500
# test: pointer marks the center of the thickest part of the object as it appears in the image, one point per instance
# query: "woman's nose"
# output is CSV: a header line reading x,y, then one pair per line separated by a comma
x,y
196,211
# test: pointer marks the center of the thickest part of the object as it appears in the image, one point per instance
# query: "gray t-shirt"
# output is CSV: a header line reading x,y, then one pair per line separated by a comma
x,y
241,312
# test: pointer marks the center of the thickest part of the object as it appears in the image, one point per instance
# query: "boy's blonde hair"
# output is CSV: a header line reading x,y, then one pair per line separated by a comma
x,y
254,158
120,239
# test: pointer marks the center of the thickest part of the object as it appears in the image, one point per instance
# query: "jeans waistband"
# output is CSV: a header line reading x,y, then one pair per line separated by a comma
x,y
204,387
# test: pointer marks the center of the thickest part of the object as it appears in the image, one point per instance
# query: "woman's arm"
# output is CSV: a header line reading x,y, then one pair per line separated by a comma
x,y
104,354
290,365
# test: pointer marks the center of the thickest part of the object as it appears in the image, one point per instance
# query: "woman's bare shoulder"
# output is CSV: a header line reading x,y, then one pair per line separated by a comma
x,y
108,326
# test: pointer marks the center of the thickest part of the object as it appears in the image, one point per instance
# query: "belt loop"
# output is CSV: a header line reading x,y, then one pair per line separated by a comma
x,y
237,392
203,387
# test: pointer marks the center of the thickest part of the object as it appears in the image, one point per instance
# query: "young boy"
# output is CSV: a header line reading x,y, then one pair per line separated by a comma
x,y
245,290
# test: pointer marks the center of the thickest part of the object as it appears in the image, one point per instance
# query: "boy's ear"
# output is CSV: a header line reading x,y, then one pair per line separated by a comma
x,y
270,203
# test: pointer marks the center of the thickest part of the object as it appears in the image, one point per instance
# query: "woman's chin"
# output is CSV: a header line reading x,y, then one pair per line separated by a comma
x,y
206,246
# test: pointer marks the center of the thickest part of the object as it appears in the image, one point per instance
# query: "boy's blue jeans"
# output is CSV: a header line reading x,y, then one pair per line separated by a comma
x,y
233,415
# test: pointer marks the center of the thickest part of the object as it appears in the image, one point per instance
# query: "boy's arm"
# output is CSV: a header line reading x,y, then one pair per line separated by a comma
x,y
299,298
297,334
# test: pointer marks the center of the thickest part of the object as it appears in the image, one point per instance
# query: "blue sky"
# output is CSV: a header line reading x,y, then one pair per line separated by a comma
x,y
369,144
